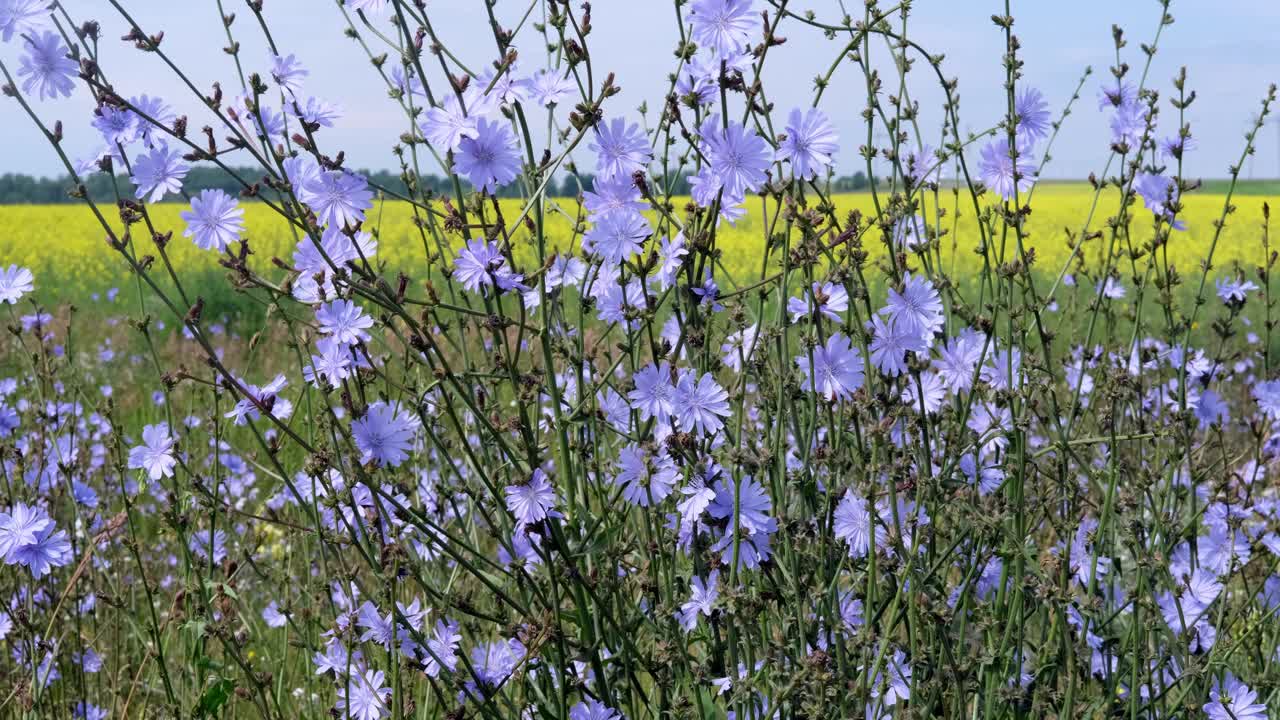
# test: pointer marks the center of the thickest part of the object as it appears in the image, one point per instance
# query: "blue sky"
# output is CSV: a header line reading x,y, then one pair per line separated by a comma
x,y
1230,49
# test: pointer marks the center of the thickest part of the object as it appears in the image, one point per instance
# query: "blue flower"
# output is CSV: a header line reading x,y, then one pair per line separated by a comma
x,y
725,26
617,236
491,159
997,170
50,69
214,220
363,696
700,403
809,144
1034,121
345,321
532,502
159,172
890,344
386,433
14,283
702,600
739,158
836,369
338,198
620,149
1233,700
155,454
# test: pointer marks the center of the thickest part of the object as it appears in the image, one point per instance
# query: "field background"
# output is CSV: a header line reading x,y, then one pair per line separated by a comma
x,y
66,249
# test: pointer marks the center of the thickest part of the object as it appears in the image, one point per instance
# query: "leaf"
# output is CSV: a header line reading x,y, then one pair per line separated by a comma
x,y
214,697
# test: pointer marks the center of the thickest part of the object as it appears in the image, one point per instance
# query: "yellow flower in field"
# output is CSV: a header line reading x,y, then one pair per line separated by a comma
x,y
63,244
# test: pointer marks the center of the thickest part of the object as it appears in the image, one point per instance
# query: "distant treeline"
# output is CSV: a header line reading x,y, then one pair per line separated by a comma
x,y
16,189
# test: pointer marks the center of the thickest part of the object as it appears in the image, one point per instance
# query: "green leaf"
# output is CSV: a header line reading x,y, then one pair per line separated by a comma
x,y
214,697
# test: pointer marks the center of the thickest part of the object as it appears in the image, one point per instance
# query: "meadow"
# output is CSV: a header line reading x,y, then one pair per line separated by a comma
x,y
750,454
64,244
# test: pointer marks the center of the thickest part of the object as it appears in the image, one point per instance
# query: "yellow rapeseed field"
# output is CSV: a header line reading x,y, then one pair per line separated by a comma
x,y
65,247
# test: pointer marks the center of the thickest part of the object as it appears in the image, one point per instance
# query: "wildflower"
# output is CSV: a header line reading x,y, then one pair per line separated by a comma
x,y
724,25
209,545
697,81
836,369
21,17
489,160
49,549
1175,146
1033,115
345,321
1110,288
376,7
288,73
617,236
155,454
494,662
854,524
738,347
645,480
911,233
707,293
621,149
532,502
14,283
702,599
1201,590
20,527
654,394
591,709
549,87
442,648
158,172
739,158
51,72
1129,125
890,345
609,195
829,299
928,394
118,127
1004,368
809,144
338,198
363,696
1233,700
899,681
1234,291
265,397
616,302
445,126
214,220
272,616
917,309
672,253
508,88
480,263
334,363
745,502
316,112
377,628
1120,96
85,710
998,172
699,403
1159,194
386,433
1267,395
